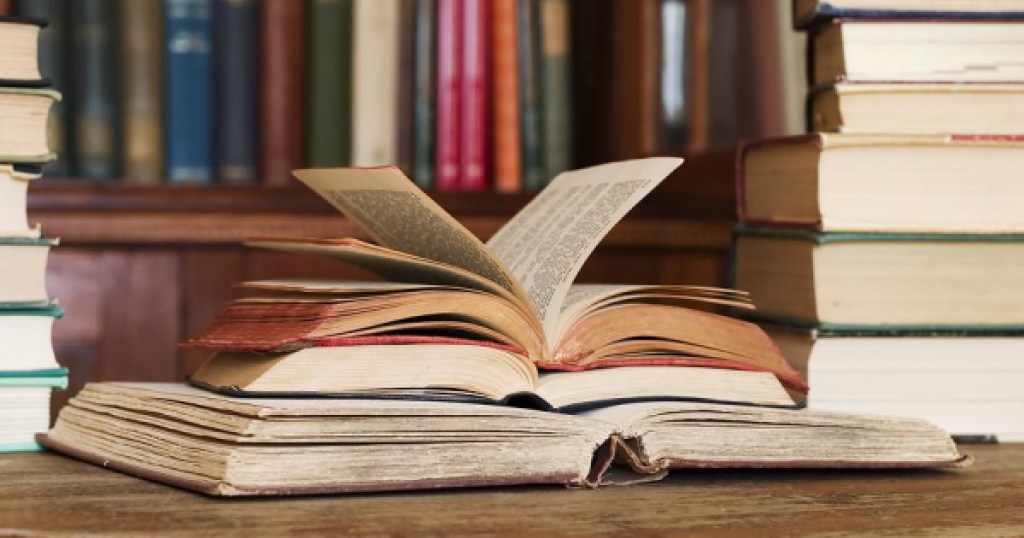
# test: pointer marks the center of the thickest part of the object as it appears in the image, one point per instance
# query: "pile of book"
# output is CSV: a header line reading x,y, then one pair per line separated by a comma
x,y
462,94
474,364
28,369
886,248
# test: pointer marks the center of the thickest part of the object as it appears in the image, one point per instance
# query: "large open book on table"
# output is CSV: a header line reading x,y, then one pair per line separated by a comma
x,y
220,445
458,319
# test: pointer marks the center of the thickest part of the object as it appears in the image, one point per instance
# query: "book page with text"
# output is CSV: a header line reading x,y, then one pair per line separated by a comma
x,y
546,243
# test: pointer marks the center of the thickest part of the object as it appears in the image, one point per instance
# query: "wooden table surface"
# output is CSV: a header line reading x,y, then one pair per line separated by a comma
x,y
47,492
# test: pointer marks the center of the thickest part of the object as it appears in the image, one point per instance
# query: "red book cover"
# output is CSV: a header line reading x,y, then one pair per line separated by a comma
x,y
449,88
283,104
505,118
474,119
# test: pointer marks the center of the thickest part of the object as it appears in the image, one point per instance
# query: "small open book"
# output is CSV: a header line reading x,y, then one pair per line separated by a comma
x,y
457,319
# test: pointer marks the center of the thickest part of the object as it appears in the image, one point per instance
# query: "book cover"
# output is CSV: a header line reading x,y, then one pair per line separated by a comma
x,y
55,66
530,95
505,115
555,61
449,95
425,98
374,77
96,119
142,55
330,83
189,90
476,91
237,91
282,90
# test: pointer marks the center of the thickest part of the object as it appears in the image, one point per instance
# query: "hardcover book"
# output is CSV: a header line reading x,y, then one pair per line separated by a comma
x,y
188,32
282,90
23,266
236,32
25,405
330,83
425,96
808,13
505,83
449,95
142,85
96,116
225,446
374,79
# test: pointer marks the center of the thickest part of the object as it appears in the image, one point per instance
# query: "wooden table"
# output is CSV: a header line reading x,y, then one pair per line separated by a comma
x,y
47,492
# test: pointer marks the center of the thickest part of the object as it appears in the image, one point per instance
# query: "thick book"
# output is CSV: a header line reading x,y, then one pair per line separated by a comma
x,y
24,136
19,43
189,90
947,50
28,352
96,115
505,104
374,79
236,79
531,95
488,315
917,108
14,181
914,281
556,86
142,87
425,96
474,142
223,446
55,67
282,90
23,265
329,121
25,406
808,13
883,183
966,382
449,95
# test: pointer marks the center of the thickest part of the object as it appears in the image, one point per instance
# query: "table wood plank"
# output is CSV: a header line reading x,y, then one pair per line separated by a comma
x,y
47,492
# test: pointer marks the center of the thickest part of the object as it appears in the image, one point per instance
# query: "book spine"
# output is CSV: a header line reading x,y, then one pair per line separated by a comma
x,y
449,86
188,32
557,149
6,7
406,87
374,75
283,94
505,116
142,90
54,65
475,92
673,114
425,102
94,67
237,87
530,104
330,83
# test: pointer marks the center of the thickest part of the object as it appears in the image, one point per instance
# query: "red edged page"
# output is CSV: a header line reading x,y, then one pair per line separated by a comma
x,y
449,88
474,122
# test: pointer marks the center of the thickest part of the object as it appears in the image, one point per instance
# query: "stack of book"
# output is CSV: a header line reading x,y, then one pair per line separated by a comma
x,y
28,369
887,247
474,364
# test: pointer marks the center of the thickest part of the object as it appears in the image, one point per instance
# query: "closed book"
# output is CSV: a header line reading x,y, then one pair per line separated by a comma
x,y
475,114
29,351
900,281
555,61
282,90
23,264
809,13
449,94
54,65
237,91
425,98
24,135
188,32
142,87
505,106
330,83
96,118
375,75
405,114
530,95
14,181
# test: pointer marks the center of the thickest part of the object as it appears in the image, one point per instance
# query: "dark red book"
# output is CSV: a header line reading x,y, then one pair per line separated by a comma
x,y
283,103
475,121
449,89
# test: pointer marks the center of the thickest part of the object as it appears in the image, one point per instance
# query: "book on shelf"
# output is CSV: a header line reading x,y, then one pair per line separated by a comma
x,y
189,104
19,40
531,95
330,83
425,94
283,100
96,115
917,108
954,49
900,280
966,382
474,97
225,446
236,68
374,80
808,13
141,91
505,116
883,183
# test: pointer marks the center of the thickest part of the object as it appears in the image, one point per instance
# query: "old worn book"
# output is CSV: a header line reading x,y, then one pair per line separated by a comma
x,y
23,125
807,13
14,182
23,266
862,182
953,50
918,108
966,382
513,298
19,45
233,447
907,281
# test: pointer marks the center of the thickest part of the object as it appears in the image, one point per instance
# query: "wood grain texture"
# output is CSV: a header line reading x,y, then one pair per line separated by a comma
x,y
49,493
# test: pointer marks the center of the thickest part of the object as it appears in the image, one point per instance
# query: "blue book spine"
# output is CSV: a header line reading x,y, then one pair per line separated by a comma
x,y
188,31
238,82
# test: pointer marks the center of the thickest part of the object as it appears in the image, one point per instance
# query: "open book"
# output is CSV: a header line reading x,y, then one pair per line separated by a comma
x,y
219,445
484,318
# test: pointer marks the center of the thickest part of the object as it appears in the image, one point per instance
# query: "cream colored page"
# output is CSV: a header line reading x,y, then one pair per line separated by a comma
x,y
398,215
547,242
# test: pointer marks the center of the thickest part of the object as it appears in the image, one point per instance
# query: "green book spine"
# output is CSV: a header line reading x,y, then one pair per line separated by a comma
x,y
424,101
330,83
557,148
530,94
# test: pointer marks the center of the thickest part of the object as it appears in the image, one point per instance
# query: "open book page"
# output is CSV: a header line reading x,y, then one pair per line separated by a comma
x,y
398,215
546,243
